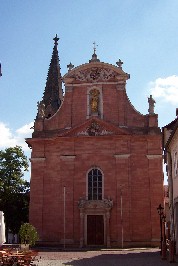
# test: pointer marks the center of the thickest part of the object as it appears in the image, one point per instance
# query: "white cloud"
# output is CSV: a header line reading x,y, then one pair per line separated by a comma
x,y
165,89
6,138
26,129
11,139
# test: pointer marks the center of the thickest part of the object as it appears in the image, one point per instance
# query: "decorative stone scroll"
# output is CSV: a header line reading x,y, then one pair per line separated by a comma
x,y
94,130
95,204
95,74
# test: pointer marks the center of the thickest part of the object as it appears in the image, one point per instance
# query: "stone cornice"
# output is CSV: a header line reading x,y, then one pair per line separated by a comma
x,y
69,86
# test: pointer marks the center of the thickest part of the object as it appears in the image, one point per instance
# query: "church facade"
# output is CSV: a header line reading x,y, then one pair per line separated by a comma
x,y
96,162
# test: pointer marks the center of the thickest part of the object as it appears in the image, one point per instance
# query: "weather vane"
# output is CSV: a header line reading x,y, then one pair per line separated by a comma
x,y
94,47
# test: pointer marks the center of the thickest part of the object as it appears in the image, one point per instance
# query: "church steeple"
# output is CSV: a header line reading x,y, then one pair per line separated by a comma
x,y
53,94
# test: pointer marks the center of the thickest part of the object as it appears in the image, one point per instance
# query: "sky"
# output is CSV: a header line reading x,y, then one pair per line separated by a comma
x,y
143,34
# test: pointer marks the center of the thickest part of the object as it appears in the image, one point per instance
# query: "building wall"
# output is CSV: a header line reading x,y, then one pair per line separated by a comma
x,y
173,186
128,153
136,174
174,156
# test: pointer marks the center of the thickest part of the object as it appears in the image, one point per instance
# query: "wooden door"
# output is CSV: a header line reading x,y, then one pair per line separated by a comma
x,y
95,230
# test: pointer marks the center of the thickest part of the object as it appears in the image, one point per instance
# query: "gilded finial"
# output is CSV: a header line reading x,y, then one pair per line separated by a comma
x,y
56,39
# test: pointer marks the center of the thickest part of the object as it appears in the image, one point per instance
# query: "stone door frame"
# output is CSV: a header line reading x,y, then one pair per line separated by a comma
x,y
94,207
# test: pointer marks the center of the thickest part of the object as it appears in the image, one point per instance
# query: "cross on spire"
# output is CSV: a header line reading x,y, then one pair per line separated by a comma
x,y
56,39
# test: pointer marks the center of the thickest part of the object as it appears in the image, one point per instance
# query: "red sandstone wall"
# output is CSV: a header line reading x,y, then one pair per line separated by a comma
x,y
116,109
140,178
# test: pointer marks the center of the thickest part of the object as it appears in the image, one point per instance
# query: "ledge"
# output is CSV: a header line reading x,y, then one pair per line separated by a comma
x,y
154,156
121,156
67,157
41,159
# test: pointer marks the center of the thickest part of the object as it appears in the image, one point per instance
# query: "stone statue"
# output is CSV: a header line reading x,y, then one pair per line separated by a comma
x,y
151,102
94,100
41,110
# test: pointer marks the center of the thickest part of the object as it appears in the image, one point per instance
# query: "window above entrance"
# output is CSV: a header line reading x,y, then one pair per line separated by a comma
x,y
95,185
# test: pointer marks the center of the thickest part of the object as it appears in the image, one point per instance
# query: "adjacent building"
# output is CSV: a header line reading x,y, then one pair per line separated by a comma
x,y
170,144
96,162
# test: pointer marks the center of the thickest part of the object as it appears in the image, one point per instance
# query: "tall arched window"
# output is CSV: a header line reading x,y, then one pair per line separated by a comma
x,y
95,185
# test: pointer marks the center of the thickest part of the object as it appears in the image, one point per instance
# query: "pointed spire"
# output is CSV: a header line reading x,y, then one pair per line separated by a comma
x,y
53,94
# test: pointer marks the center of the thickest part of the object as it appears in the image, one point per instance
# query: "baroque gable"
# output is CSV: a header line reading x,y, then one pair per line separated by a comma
x,y
95,72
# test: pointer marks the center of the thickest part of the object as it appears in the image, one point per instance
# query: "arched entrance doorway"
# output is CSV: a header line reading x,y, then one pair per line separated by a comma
x,y
94,222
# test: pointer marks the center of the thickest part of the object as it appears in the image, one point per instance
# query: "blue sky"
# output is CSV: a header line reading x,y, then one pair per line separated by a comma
x,y
143,34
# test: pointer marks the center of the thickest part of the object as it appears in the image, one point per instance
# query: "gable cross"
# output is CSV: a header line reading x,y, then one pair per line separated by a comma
x,y
119,63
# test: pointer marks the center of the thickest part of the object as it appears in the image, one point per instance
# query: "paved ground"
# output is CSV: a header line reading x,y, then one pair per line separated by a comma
x,y
136,257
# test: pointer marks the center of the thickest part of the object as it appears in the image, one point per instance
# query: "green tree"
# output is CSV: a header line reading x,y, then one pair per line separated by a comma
x,y
14,189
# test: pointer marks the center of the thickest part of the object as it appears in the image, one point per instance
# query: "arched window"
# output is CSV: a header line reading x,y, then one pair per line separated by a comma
x,y
95,185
